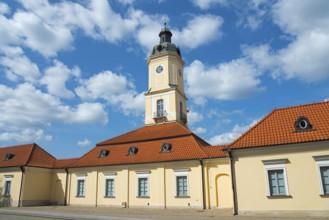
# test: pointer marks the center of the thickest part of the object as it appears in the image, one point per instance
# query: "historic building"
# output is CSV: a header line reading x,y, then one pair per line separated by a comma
x,y
280,164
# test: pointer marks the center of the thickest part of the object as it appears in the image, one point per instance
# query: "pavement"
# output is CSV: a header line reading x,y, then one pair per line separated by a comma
x,y
107,213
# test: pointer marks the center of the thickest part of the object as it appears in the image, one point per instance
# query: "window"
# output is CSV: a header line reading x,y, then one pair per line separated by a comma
x,y
276,177
323,170
276,182
160,108
182,182
303,124
142,187
7,186
132,151
109,187
104,153
166,147
81,188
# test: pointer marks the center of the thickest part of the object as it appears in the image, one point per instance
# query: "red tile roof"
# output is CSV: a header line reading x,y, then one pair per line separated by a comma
x,y
63,163
159,131
278,127
149,140
214,151
26,155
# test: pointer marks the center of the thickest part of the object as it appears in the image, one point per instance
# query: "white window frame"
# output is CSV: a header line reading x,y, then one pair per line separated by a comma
x,y
182,173
271,165
321,161
8,178
79,178
110,176
143,175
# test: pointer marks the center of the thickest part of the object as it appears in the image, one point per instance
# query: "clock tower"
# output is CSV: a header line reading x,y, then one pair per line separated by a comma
x,y
165,100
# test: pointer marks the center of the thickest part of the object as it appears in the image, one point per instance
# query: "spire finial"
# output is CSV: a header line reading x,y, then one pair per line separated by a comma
x,y
165,23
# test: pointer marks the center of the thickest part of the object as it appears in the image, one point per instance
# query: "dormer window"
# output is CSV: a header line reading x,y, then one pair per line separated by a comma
x,y
166,147
132,151
104,153
303,124
9,156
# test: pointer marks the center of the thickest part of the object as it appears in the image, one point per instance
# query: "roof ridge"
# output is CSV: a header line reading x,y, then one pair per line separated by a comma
x,y
302,105
30,154
200,148
250,129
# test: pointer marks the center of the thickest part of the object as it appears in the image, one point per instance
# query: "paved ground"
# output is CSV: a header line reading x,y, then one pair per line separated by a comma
x,y
102,213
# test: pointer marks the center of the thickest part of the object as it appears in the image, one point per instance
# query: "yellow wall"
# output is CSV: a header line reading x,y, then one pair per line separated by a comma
x,y
302,177
37,186
218,183
162,185
57,193
15,187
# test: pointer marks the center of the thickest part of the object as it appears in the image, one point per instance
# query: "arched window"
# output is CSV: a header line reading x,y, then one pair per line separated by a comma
x,y
160,108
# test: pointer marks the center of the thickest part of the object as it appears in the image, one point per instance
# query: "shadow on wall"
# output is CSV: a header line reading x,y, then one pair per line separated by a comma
x,y
5,201
58,194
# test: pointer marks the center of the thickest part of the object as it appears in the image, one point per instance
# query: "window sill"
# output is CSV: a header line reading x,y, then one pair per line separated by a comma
x,y
80,196
280,197
7,196
182,197
143,197
110,197
324,195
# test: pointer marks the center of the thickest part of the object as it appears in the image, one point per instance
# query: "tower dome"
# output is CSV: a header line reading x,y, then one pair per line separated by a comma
x,y
165,44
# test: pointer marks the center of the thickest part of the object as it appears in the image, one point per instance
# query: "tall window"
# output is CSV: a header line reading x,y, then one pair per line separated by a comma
x,y
7,188
277,184
109,187
160,108
324,171
142,187
181,186
81,187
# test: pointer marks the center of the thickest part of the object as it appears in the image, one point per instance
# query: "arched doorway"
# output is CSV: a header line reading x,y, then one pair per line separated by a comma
x,y
223,191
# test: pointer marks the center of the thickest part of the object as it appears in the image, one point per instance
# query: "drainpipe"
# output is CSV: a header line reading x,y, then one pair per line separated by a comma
x,y
66,186
235,207
20,202
203,185
164,187
96,202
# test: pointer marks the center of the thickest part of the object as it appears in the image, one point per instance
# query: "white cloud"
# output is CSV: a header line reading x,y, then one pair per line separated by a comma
x,y
25,135
55,78
4,8
84,143
199,130
206,4
116,89
237,79
200,30
194,117
229,137
26,107
126,2
26,69
305,57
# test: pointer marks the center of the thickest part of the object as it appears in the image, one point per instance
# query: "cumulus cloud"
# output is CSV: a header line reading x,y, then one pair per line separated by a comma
x,y
194,117
206,4
305,57
116,89
199,130
84,143
25,135
55,78
26,107
229,137
26,70
200,30
236,79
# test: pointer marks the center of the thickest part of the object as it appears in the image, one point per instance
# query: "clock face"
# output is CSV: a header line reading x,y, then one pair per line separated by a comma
x,y
159,69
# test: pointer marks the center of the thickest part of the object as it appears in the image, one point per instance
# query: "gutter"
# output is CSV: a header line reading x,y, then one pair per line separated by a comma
x,y
203,185
66,186
235,206
20,202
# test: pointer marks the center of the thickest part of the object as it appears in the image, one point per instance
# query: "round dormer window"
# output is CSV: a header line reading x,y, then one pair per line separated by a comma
x,y
303,124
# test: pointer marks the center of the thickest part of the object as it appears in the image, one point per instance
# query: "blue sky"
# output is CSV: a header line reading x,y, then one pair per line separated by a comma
x,y
73,73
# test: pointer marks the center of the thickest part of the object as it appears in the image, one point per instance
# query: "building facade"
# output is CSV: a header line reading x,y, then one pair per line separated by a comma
x,y
281,165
